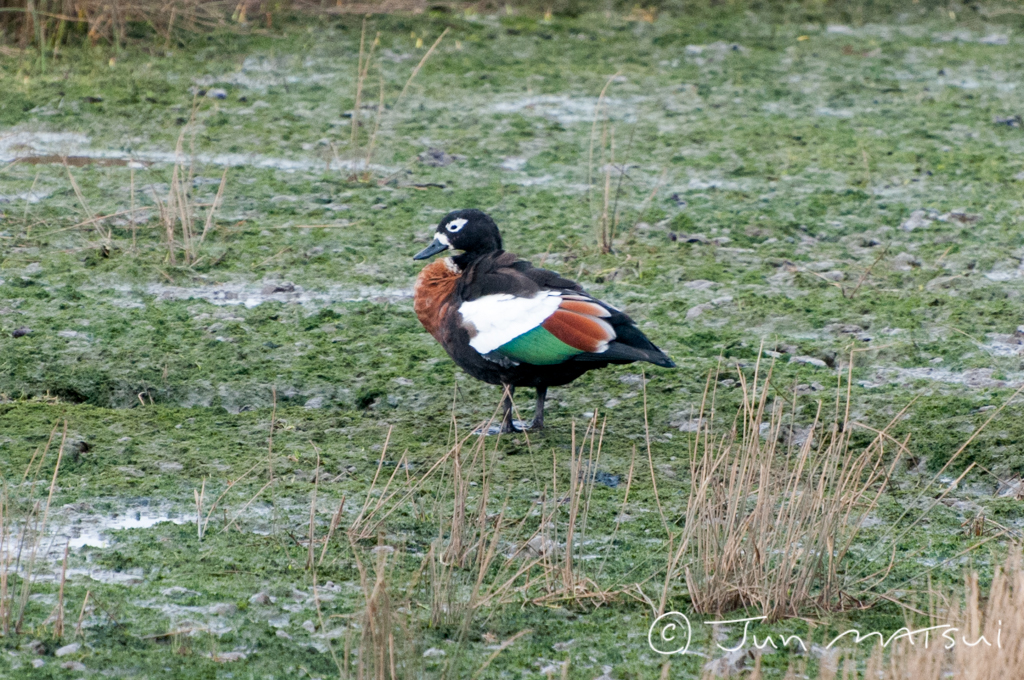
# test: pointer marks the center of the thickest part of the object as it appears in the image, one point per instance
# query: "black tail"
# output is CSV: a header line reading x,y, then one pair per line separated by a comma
x,y
630,345
619,353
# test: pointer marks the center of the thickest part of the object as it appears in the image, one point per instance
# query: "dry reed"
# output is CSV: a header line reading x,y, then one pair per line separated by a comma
x,y
963,634
179,212
767,525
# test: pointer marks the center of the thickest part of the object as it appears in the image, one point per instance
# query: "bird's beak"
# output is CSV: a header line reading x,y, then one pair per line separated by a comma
x,y
434,248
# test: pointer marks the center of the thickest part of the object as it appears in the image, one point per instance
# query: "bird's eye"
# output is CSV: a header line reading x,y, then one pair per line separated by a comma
x,y
455,225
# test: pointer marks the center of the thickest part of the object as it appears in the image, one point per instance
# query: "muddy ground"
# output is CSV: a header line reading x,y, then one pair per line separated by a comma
x,y
795,190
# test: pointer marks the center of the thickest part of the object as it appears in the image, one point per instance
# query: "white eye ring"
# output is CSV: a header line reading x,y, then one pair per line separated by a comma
x,y
456,225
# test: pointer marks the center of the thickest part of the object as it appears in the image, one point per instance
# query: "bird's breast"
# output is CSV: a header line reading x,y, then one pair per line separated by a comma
x,y
432,296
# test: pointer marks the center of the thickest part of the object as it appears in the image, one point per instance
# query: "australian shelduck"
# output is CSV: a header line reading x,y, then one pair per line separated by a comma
x,y
507,323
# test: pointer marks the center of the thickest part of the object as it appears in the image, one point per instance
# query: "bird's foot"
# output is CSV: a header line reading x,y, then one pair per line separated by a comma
x,y
514,427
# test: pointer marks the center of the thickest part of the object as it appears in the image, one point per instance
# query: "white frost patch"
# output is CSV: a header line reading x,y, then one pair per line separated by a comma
x,y
16,144
533,181
513,163
22,144
1006,345
251,294
29,196
700,184
568,110
975,378
835,113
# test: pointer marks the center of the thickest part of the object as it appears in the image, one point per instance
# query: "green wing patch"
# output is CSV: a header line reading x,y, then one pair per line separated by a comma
x,y
538,347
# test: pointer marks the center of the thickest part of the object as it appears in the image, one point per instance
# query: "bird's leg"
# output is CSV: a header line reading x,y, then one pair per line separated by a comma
x,y
538,413
506,406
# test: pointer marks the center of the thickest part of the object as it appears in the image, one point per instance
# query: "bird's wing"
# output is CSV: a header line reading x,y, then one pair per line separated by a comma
x,y
535,316
549,327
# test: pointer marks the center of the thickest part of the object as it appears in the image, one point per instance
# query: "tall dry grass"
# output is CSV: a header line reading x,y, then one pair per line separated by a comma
x,y
481,559
47,25
23,534
774,509
180,214
971,635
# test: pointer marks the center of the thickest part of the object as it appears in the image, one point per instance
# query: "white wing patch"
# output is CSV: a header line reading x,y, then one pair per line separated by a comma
x,y
504,317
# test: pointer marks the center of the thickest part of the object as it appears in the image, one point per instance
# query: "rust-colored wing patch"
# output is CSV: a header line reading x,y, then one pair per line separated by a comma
x,y
584,307
578,324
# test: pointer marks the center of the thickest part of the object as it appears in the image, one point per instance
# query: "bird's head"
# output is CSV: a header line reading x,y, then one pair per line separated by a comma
x,y
471,231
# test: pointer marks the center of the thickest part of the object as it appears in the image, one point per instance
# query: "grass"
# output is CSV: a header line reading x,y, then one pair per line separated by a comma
x,y
278,376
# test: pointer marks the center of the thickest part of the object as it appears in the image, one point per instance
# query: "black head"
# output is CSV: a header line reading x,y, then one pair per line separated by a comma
x,y
472,231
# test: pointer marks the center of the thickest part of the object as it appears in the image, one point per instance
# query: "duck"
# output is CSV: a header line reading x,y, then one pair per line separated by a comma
x,y
508,323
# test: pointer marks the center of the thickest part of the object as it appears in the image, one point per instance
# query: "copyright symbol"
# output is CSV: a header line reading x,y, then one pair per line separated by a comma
x,y
670,634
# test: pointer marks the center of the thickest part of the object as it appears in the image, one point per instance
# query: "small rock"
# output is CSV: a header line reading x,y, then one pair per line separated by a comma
x,y
697,310
433,653
68,649
309,626
228,657
177,591
73,666
844,329
314,403
942,282
283,635
906,262
1010,121
224,609
690,238
605,479
730,664
685,423
21,332
379,206
807,360
540,545
38,663
282,287
262,597
217,93
917,220
37,647
438,158
961,216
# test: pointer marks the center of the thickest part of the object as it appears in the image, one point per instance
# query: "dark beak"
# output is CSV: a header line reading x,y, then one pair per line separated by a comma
x,y
433,249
